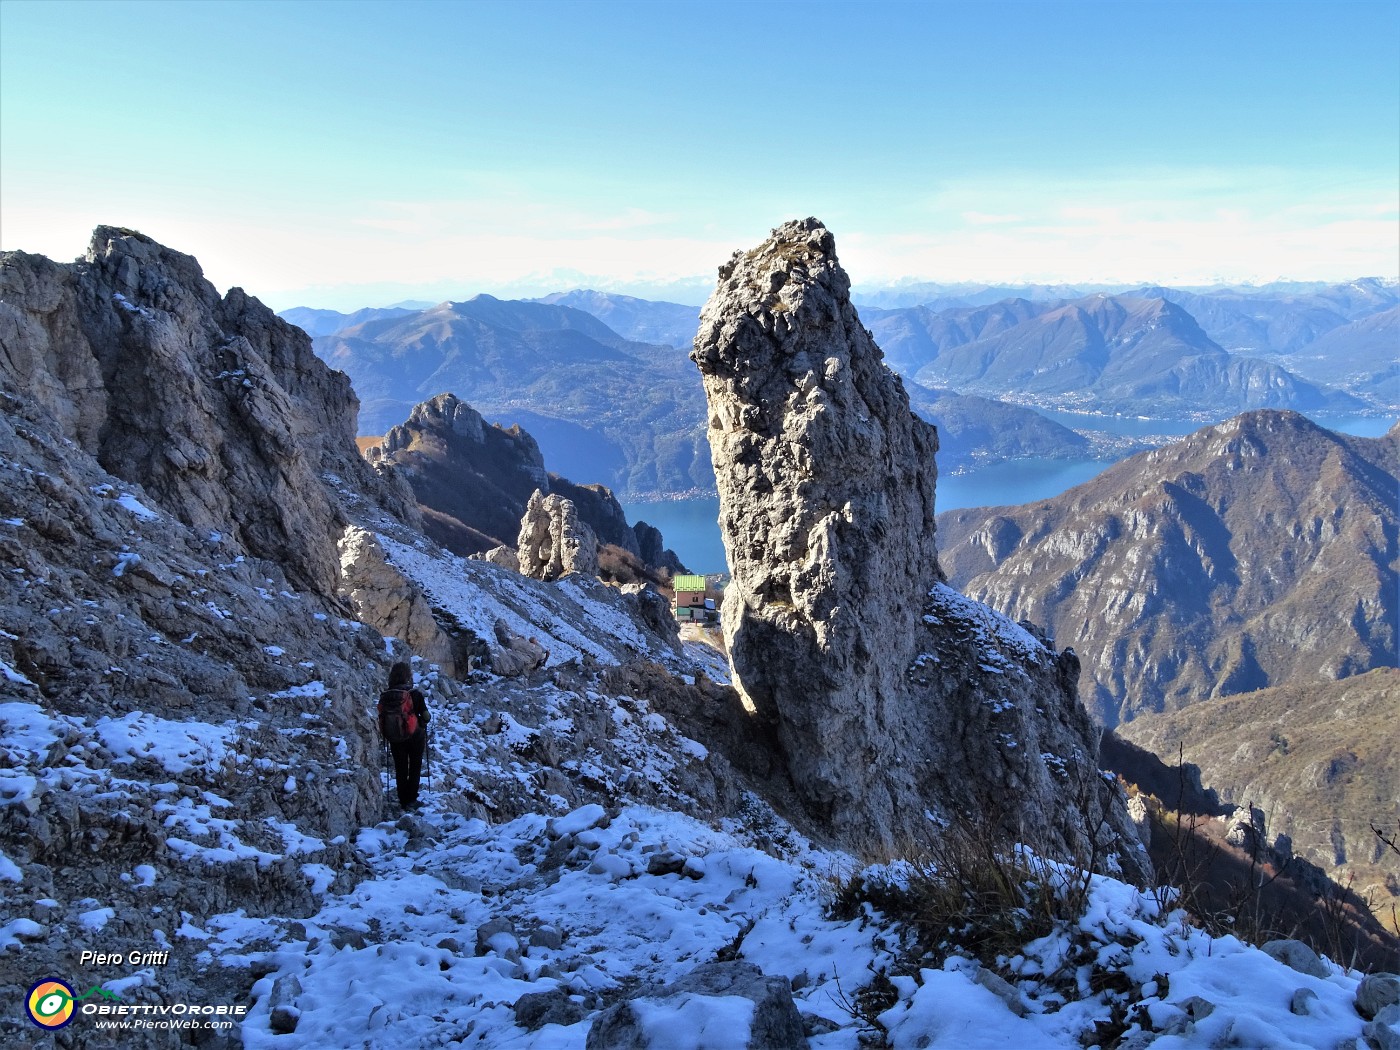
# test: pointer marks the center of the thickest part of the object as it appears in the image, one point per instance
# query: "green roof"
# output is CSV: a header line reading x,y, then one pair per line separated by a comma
x,y
689,583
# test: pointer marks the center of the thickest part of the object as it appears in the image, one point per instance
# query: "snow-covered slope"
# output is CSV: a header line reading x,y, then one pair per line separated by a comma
x,y
507,914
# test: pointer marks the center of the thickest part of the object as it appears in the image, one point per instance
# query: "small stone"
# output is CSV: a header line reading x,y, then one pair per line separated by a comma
x,y
585,818
498,936
547,937
1196,1008
1381,1036
665,862
284,1019
342,937
534,1010
1002,990
284,1014
1302,1002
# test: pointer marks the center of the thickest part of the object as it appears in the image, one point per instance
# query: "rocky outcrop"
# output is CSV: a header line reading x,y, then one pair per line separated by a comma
x,y
473,480
216,407
553,541
393,605
894,697
653,550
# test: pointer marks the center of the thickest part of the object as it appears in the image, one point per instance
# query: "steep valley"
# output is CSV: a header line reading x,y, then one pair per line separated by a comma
x,y
1258,552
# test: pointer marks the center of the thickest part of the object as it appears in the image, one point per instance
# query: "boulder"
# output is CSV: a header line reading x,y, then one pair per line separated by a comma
x,y
389,602
534,1010
503,556
1298,956
517,654
1375,992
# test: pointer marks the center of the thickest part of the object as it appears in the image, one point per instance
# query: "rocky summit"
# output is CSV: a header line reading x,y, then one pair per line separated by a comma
x,y
896,699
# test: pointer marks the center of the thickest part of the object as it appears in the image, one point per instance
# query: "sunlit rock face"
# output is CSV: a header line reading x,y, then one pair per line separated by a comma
x,y
896,699
553,541
216,406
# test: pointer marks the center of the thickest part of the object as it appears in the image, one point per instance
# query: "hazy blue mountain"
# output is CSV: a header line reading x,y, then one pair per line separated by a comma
x,y
1280,322
1361,356
915,336
627,414
326,322
644,320
1139,356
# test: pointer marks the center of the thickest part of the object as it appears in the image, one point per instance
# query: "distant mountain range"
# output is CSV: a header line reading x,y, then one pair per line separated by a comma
x,y
604,405
1261,551
603,382
1124,353
328,322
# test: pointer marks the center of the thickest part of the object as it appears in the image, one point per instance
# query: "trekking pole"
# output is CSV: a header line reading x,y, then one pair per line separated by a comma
x,y
386,765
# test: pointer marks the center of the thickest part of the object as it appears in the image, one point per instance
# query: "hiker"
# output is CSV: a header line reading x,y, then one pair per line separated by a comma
x,y
403,722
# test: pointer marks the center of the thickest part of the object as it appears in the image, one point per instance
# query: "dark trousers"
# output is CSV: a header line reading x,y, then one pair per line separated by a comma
x,y
408,766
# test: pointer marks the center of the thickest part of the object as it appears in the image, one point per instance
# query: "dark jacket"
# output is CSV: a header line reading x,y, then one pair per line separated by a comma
x,y
420,706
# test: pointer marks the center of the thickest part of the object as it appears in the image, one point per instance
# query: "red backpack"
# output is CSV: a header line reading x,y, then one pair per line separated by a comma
x,y
397,720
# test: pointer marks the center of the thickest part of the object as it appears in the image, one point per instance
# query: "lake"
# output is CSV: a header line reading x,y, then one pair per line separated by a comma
x,y
691,526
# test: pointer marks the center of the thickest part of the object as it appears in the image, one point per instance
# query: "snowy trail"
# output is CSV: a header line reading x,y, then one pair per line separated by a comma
x,y
461,920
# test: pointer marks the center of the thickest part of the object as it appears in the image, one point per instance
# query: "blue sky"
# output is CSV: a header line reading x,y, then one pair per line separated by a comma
x,y
345,154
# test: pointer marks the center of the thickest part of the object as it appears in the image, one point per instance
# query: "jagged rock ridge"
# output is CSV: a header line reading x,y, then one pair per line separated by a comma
x,y
892,694
216,406
179,639
473,481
